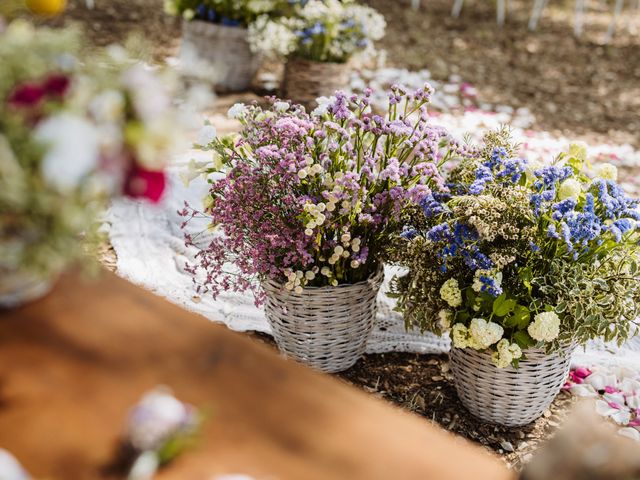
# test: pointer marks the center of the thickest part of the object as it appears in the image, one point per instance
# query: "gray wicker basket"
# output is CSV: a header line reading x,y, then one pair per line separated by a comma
x,y
225,49
304,80
326,328
508,396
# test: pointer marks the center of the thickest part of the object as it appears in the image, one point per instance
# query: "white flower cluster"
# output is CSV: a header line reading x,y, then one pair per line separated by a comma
x,y
298,279
444,319
315,211
273,38
313,169
335,29
206,135
506,353
450,293
479,336
237,111
545,327
606,171
570,188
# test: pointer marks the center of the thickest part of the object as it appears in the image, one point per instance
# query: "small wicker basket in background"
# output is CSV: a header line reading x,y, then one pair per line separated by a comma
x,y
226,49
304,80
508,396
326,328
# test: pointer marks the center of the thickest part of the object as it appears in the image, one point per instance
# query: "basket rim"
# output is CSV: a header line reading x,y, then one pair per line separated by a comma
x,y
297,59
563,351
375,278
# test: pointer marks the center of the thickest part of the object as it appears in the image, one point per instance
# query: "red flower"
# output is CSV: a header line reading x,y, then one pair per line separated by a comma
x,y
26,95
56,85
149,184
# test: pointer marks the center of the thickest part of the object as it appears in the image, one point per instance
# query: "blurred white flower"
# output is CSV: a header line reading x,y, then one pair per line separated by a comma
x,y
108,106
281,106
147,92
323,106
73,150
157,417
10,468
206,135
570,188
237,111
606,171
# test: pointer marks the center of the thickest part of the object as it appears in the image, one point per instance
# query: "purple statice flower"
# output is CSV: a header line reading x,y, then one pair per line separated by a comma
x,y
409,233
298,187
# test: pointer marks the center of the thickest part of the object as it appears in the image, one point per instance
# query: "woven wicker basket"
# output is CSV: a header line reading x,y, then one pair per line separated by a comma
x,y
18,288
508,396
327,328
225,49
304,80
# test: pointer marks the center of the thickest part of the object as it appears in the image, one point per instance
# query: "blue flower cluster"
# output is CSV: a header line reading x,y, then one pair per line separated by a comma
x,y
459,240
548,178
490,286
433,204
578,225
306,35
499,166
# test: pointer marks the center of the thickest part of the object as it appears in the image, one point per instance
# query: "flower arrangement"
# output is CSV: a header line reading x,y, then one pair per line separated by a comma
x,y
518,255
74,132
318,30
311,200
232,13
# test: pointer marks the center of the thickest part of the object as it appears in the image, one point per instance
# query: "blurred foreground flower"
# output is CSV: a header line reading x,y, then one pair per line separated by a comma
x,y
10,468
159,428
77,128
46,8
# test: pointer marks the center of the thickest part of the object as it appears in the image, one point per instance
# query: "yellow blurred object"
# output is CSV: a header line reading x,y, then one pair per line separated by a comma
x,y
46,8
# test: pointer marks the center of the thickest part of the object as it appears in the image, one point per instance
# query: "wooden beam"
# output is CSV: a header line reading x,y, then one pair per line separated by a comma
x,y
72,364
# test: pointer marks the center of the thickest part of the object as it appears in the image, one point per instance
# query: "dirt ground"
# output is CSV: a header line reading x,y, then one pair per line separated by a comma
x,y
579,88
575,87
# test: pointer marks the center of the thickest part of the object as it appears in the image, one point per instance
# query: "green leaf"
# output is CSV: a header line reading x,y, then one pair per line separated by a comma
x,y
522,338
470,297
503,306
522,317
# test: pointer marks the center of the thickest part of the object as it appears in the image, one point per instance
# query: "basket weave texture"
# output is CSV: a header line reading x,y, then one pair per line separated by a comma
x,y
226,49
326,328
304,80
508,396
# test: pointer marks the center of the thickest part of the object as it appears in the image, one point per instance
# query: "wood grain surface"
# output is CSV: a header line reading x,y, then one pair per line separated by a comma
x,y
72,364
